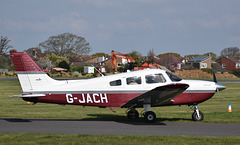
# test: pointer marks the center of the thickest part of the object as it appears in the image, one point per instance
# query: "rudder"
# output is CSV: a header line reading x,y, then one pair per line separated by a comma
x,y
24,63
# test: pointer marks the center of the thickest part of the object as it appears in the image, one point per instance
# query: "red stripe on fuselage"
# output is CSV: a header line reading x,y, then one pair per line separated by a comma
x,y
116,99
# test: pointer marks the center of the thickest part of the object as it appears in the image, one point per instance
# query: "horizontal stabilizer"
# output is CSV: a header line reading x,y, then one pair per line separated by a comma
x,y
29,95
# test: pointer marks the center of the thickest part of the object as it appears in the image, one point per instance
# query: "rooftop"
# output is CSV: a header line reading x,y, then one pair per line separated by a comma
x,y
199,59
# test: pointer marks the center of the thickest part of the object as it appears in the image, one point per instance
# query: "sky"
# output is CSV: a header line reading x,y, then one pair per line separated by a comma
x,y
179,26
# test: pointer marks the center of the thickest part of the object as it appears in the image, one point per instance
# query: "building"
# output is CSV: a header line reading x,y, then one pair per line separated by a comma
x,y
229,63
200,62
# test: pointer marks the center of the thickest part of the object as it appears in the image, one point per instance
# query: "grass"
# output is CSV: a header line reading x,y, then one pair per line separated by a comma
x,y
22,138
215,110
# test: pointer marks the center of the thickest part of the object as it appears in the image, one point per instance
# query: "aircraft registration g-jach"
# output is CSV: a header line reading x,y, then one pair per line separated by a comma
x,y
139,89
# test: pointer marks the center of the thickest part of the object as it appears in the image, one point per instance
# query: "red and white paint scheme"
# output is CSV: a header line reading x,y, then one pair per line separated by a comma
x,y
144,88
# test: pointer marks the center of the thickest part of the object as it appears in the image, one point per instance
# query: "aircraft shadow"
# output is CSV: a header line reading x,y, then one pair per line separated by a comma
x,y
139,121
102,117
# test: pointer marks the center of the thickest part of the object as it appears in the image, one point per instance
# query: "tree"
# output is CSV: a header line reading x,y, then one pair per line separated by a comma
x,y
169,60
3,63
64,64
66,44
211,54
45,63
55,59
175,54
34,50
4,46
136,56
99,54
230,51
151,55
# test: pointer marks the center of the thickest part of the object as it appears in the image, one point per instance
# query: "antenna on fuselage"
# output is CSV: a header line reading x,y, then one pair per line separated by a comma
x,y
98,71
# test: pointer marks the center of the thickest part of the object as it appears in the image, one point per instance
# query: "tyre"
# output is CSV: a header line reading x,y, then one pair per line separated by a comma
x,y
150,117
195,116
133,114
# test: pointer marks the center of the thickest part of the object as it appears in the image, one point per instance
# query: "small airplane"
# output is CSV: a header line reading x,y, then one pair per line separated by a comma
x,y
144,88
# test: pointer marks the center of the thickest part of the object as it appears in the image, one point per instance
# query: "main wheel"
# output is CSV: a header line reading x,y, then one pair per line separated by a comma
x,y
149,116
132,114
195,116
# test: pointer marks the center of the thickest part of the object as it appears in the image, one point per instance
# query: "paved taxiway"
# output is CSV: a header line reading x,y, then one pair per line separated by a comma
x,y
69,126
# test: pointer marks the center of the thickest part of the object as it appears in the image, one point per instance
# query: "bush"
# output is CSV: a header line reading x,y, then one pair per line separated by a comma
x,y
236,72
14,74
6,74
59,75
95,74
54,72
108,70
77,68
64,64
208,70
83,73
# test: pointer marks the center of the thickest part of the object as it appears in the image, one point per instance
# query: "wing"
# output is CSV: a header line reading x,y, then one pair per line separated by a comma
x,y
158,96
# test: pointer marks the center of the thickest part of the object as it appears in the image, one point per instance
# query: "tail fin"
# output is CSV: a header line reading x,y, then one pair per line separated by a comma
x,y
24,63
31,76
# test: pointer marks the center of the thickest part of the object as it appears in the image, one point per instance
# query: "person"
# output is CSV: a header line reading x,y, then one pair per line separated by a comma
x,y
150,79
132,81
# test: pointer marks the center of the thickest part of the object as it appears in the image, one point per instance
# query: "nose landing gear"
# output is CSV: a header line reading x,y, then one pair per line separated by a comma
x,y
197,115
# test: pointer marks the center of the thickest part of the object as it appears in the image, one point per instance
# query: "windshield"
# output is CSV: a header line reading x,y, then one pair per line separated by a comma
x,y
173,77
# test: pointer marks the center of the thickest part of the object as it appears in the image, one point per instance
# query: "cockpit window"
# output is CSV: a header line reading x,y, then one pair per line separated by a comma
x,y
156,78
134,80
116,83
173,77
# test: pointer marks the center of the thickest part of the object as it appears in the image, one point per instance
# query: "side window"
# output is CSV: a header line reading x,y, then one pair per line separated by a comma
x,y
156,78
116,83
134,80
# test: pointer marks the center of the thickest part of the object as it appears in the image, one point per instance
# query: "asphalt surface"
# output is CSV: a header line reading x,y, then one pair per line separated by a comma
x,y
69,126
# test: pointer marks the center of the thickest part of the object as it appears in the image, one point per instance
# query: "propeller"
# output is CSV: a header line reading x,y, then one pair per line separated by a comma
x,y
219,87
214,77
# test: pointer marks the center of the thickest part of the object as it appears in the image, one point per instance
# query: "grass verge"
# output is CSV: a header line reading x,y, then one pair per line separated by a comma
x,y
22,138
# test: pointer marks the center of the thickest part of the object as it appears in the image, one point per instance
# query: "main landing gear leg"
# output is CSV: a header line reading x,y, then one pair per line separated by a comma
x,y
132,113
149,115
197,115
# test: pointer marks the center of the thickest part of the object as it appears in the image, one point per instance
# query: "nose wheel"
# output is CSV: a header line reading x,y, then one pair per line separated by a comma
x,y
197,115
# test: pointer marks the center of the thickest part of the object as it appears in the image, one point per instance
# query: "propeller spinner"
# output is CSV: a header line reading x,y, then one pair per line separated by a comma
x,y
219,87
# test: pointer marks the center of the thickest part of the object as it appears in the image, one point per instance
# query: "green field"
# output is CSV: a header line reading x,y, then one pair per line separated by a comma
x,y
32,139
215,110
